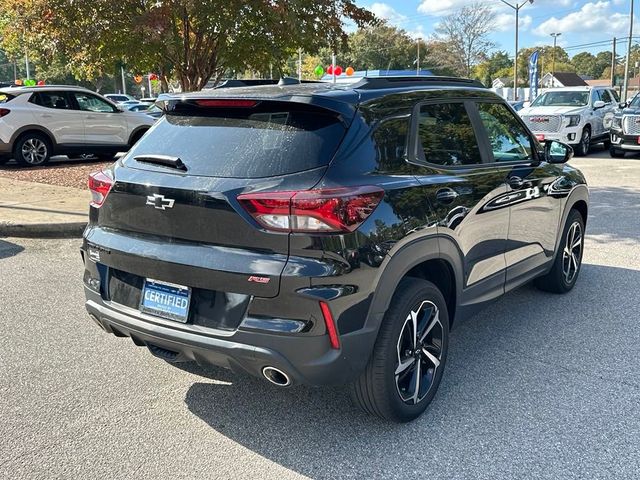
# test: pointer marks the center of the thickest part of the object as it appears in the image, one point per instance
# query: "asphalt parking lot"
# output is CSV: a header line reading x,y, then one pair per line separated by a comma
x,y
537,385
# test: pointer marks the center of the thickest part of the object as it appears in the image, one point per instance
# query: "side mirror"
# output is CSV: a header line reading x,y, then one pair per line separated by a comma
x,y
623,105
598,104
557,152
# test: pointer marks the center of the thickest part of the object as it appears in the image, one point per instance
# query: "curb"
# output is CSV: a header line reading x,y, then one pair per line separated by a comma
x,y
43,230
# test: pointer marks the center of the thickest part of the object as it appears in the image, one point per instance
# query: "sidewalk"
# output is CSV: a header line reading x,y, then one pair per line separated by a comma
x,y
29,209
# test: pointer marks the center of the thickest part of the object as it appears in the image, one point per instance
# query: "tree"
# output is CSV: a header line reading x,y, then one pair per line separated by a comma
x,y
488,69
545,62
382,47
461,39
194,40
585,63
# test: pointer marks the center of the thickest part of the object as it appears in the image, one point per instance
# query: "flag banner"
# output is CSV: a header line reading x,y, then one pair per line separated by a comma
x,y
533,75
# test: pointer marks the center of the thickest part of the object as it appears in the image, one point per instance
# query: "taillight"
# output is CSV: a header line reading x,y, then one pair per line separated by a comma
x,y
100,184
4,111
327,210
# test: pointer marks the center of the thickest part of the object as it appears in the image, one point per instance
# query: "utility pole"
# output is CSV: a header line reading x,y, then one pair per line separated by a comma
x,y
149,83
418,59
300,65
517,8
124,86
613,65
333,67
553,55
26,62
626,66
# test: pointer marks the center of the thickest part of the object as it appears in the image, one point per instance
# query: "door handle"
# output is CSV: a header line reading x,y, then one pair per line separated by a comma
x,y
515,182
446,195
90,117
46,115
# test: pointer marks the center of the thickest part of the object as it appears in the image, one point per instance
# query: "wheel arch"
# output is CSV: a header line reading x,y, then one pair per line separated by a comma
x,y
436,259
31,129
578,200
137,133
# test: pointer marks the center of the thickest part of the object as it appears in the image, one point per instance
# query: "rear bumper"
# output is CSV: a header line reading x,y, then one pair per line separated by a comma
x,y
306,359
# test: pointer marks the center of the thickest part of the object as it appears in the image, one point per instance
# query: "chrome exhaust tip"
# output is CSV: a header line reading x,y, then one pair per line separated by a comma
x,y
276,376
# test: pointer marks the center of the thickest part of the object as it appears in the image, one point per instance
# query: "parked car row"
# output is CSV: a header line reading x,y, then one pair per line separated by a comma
x,y
583,116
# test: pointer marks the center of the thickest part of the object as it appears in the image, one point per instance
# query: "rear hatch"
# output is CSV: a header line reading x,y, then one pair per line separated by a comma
x,y
172,213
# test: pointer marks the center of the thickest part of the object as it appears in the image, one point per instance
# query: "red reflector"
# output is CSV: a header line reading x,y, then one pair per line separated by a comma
x,y
226,103
329,210
100,184
540,137
331,326
4,111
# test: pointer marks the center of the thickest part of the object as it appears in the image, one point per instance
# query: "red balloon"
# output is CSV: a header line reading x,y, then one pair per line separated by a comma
x,y
330,70
153,76
338,70
41,82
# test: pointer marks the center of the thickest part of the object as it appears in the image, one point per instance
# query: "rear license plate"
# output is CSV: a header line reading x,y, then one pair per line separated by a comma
x,y
166,300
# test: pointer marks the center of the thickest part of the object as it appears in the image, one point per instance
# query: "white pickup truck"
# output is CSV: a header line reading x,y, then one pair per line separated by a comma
x,y
579,116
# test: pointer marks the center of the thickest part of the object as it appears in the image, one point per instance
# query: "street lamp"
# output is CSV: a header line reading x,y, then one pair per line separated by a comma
x,y
517,8
553,55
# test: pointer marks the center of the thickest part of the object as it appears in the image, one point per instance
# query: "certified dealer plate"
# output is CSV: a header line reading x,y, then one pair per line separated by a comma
x,y
166,300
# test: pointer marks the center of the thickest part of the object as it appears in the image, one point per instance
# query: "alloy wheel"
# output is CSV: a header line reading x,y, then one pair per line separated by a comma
x,y
419,352
572,253
586,141
34,151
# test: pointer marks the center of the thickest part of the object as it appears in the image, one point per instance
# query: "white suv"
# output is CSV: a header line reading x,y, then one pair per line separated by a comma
x,y
578,116
38,122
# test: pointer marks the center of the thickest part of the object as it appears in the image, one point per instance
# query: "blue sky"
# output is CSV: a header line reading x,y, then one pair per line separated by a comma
x,y
579,22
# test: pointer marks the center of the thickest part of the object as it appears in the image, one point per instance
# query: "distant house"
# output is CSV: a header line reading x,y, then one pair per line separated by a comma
x,y
502,82
562,79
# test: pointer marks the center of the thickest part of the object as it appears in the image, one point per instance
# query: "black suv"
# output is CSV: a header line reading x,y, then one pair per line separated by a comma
x,y
321,234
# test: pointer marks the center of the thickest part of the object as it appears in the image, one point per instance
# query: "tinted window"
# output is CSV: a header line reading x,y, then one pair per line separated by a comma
x,y
446,135
91,103
272,138
390,139
509,139
606,98
59,100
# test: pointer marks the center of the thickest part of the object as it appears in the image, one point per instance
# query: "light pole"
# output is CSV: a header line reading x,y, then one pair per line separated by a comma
x,y
418,58
626,67
553,54
517,8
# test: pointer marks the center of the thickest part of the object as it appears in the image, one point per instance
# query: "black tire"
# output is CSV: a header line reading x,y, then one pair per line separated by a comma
x,y
379,391
566,266
582,148
32,150
137,136
616,153
4,160
607,144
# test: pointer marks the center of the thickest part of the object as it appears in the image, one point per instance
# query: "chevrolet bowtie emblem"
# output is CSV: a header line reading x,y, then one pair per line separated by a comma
x,y
160,201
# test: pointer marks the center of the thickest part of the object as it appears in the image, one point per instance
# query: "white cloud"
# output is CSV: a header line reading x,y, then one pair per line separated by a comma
x,y
504,22
441,7
387,12
596,17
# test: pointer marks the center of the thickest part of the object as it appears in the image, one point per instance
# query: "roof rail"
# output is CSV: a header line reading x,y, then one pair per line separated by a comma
x,y
370,83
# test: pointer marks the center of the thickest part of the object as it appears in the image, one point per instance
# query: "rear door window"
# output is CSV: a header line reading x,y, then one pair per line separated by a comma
x,y
52,99
446,135
263,140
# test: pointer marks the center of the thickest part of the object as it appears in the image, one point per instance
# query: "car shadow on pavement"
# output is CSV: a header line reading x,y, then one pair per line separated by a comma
x,y
530,372
614,214
8,249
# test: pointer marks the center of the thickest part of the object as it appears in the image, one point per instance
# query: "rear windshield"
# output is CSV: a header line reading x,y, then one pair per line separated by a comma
x,y
267,139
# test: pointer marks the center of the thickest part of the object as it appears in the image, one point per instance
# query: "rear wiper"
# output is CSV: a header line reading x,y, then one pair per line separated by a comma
x,y
164,160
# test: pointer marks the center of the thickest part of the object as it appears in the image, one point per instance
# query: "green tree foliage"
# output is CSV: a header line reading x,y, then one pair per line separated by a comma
x,y
193,40
381,47
492,67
